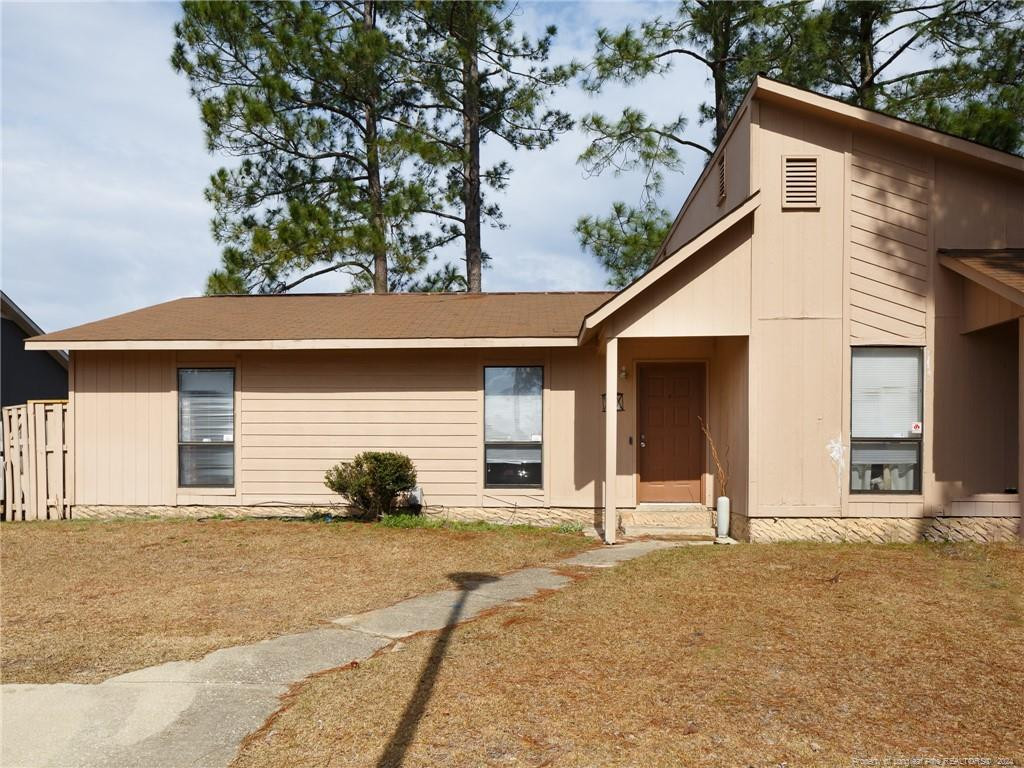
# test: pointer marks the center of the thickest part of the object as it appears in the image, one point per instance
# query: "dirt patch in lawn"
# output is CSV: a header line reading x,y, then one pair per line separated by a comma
x,y
748,655
81,602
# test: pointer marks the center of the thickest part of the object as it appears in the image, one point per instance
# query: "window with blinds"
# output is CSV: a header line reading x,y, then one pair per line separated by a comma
x,y
799,181
887,422
206,427
513,426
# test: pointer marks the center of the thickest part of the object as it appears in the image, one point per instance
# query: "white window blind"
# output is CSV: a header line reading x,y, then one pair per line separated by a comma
x,y
206,427
512,404
886,394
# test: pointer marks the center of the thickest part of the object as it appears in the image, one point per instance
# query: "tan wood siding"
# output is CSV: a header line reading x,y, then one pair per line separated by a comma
x,y
574,428
729,416
303,412
707,295
125,433
983,308
705,205
890,263
796,347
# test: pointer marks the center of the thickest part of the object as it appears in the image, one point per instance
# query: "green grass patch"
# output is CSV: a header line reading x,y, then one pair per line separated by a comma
x,y
475,526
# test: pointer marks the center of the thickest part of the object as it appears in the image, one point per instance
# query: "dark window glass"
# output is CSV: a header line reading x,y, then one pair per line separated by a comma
x,y
513,425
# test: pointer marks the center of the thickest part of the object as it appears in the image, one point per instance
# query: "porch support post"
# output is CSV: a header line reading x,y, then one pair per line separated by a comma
x,y
1020,425
611,441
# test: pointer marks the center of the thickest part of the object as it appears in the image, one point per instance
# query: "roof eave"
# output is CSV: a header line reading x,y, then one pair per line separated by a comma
x,y
772,90
1008,292
44,343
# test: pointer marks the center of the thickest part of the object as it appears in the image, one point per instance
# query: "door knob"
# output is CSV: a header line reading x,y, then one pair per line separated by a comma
x,y
643,441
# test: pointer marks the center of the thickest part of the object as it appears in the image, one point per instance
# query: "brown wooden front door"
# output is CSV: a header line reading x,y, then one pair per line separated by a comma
x,y
670,449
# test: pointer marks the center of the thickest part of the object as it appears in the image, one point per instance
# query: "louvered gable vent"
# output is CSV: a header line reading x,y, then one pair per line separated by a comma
x,y
721,178
799,181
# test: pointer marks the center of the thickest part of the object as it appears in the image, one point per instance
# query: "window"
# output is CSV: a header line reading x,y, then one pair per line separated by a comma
x,y
206,427
799,181
513,426
886,424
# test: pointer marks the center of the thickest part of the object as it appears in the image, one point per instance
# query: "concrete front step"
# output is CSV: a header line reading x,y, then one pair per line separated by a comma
x,y
691,516
704,534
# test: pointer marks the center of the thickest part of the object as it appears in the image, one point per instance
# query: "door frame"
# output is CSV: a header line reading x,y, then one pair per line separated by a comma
x,y
637,364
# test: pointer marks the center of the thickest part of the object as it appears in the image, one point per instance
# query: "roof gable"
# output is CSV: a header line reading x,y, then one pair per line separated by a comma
x,y
667,265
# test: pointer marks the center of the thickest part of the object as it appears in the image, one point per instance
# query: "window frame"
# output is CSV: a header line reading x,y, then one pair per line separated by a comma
x,y
915,440
516,443
234,429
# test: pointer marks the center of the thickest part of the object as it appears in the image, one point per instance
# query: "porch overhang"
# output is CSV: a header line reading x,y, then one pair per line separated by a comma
x,y
592,322
999,270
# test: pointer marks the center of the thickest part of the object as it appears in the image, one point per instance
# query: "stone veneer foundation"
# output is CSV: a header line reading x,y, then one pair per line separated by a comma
x,y
879,530
540,516
882,530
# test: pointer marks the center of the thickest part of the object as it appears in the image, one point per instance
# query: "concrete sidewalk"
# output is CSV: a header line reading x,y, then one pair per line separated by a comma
x,y
195,713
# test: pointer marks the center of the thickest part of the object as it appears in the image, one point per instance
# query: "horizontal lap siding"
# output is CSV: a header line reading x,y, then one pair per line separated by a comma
x,y
304,412
889,267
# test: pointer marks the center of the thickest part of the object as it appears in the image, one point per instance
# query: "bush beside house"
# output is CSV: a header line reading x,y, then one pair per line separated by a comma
x,y
373,481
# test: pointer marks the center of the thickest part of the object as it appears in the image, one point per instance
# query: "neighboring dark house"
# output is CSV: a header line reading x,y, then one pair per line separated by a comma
x,y
27,375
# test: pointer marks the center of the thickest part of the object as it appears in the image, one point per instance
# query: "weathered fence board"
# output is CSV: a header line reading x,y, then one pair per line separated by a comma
x,y
38,467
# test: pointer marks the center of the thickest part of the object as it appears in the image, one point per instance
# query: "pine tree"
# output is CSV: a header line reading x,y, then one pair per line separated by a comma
x,y
481,79
956,65
310,98
733,41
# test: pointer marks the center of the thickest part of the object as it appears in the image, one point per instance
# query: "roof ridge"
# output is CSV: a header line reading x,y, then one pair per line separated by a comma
x,y
342,294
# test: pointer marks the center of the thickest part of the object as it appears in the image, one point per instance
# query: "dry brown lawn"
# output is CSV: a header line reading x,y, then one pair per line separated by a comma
x,y
82,601
751,655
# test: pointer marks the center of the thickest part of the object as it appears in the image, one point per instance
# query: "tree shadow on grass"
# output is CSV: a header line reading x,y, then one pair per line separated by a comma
x,y
405,731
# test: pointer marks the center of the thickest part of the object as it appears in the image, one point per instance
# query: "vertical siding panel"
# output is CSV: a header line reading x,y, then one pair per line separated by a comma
x,y
169,426
130,484
105,459
69,439
796,340
154,481
117,431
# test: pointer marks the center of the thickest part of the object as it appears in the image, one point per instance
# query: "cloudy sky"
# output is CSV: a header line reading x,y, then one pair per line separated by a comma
x,y
104,163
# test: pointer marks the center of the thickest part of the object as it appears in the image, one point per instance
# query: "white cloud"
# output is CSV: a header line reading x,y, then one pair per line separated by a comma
x,y
104,163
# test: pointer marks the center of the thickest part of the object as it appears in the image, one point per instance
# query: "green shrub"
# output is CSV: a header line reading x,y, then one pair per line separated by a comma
x,y
373,480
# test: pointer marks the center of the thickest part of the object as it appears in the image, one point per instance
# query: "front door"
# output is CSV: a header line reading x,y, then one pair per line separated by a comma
x,y
670,451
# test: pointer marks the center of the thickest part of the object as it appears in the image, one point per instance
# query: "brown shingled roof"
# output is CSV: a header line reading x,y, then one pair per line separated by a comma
x,y
345,316
999,269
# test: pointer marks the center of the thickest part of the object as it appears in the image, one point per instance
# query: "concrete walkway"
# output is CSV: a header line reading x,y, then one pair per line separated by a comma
x,y
195,713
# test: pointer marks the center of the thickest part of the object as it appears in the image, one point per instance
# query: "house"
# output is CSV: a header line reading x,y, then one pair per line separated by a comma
x,y
27,375
840,299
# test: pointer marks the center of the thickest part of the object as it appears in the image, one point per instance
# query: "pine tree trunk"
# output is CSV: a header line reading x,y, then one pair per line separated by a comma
x,y
866,91
471,153
721,49
376,196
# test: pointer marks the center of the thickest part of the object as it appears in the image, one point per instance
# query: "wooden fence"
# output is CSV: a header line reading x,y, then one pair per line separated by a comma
x,y
38,466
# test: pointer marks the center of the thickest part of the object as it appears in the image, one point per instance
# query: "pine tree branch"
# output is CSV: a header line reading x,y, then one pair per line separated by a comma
x,y
332,268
